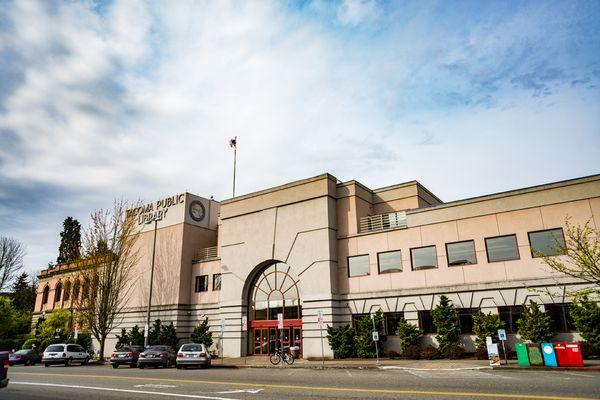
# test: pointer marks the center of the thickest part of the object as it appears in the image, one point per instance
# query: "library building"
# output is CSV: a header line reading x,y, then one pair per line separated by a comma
x,y
320,247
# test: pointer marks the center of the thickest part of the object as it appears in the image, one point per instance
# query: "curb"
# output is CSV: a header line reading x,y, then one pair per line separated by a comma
x,y
358,367
575,369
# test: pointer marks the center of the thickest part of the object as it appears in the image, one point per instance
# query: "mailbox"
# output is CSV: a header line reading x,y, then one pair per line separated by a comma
x,y
535,354
568,354
522,355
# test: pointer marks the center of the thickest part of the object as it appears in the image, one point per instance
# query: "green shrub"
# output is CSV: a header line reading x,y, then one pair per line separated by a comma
x,y
454,352
168,336
29,343
366,346
586,317
408,334
84,339
534,325
445,319
202,334
481,353
342,341
411,353
485,325
393,354
430,353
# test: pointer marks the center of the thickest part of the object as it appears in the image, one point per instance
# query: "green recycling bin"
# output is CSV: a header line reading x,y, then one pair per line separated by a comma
x,y
535,354
522,355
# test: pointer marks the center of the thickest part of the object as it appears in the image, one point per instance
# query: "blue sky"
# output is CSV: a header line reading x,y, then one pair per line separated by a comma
x,y
137,100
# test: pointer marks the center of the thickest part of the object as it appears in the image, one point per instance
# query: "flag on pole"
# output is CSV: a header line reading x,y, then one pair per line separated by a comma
x,y
233,142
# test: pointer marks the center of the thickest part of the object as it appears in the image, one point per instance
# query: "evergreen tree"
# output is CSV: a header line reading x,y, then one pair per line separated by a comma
x,y
154,332
70,241
366,346
485,325
586,316
342,341
535,325
202,334
445,319
23,298
122,339
168,336
408,334
136,337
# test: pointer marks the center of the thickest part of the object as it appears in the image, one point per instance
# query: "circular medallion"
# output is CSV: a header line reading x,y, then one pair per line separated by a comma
x,y
197,211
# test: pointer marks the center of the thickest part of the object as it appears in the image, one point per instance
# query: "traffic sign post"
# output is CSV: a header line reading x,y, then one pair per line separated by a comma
x,y
222,332
502,337
375,338
280,327
320,322
245,330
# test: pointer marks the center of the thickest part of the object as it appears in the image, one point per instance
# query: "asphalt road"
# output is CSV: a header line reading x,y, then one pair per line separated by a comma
x,y
102,382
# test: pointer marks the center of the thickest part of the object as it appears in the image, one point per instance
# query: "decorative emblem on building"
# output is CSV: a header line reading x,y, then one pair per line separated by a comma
x,y
197,211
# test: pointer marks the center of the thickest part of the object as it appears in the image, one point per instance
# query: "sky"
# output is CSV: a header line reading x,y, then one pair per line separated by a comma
x,y
137,100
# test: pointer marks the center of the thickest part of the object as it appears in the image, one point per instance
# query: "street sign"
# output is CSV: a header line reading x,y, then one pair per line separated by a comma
x,y
146,330
222,325
320,318
76,335
279,321
493,354
501,334
375,336
244,323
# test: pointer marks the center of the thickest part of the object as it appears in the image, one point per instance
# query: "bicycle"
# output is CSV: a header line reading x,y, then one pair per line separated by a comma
x,y
279,355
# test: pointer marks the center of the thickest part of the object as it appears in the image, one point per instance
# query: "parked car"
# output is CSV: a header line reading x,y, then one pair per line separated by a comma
x,y
65,354
191,354
3,369
157,356
26,357
126,355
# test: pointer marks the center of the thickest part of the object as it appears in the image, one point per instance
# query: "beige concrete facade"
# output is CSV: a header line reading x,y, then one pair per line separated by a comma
x,y
314,226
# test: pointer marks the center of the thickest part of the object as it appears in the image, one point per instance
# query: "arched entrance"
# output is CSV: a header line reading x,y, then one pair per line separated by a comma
x,y
274,291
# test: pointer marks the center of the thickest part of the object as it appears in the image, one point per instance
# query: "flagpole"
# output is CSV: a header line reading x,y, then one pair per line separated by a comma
x,y
234,162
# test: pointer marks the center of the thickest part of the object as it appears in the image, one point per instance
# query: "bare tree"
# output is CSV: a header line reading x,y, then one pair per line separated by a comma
x,y
581,255
110,255
11,259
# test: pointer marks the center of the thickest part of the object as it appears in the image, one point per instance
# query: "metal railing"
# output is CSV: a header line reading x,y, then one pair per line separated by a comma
x,y
382,222
206,253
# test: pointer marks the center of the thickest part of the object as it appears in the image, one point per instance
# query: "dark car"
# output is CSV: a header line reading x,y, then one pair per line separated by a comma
x,y
157,356
3,369
126,355
26,357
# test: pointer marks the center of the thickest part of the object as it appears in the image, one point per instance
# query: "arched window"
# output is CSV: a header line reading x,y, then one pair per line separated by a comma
x,y
57,293
67,291
275,290
86,289
45,294
75,291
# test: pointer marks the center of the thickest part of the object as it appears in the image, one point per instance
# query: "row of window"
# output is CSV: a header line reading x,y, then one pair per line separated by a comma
x,y
201,284
559,313
548,242
67,293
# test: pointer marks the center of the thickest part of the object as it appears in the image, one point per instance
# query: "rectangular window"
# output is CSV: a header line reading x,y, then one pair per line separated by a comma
x,y
216,281
560,317
391,322
426,322
423,257
502,248
550,242
389,261
461,253
202,283
510,316
465,317
358,265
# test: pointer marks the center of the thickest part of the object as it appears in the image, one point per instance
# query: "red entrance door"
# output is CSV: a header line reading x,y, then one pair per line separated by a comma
x,y
265,337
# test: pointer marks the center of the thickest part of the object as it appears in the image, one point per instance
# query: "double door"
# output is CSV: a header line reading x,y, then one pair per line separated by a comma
x,y
265,339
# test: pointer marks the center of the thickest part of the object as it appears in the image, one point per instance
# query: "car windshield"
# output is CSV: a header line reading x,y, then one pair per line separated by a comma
x,y
157,348
55,348
191,347
23,352
124,349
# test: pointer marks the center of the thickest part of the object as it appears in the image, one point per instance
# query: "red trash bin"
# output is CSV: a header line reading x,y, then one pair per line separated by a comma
x,y
568,354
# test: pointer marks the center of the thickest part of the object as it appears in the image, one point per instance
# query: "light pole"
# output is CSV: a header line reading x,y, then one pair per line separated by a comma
x,y
151,280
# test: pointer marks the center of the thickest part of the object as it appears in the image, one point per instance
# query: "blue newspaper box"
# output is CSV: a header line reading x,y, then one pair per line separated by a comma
x,y
549,355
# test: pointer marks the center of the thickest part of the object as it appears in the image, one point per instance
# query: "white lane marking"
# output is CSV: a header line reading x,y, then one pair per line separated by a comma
x,y
453,375
155,386
431,369
253,391
349,374
188,396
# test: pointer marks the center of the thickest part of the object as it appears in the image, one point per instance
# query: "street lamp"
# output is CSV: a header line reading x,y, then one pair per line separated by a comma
x,y
146,330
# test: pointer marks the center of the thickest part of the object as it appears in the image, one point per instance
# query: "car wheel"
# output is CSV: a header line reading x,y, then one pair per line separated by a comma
x,y
27,363
115,365
11,364
69,362
141,366
46,365
179,367
132,365
87,360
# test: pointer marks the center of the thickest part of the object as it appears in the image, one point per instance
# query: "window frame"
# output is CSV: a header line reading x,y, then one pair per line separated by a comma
x,y
214,288
461,241
487,253
412,265
198,287
420,314
389,272
356,256
562,232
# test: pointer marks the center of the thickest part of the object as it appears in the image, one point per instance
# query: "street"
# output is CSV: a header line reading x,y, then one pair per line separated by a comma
x,y
103,382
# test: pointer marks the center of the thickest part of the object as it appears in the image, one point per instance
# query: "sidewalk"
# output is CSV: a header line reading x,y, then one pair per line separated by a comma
x,y
439,365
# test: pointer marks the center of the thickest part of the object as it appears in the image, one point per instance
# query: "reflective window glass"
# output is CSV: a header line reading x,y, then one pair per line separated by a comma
x,y
502,248
461,253
358,265
390,261
547,243
423,257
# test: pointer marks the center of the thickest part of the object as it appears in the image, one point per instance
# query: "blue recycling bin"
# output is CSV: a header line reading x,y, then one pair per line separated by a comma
x,y
549,355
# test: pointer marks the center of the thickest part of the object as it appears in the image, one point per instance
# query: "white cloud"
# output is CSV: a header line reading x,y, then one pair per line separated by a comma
x,y
354,12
